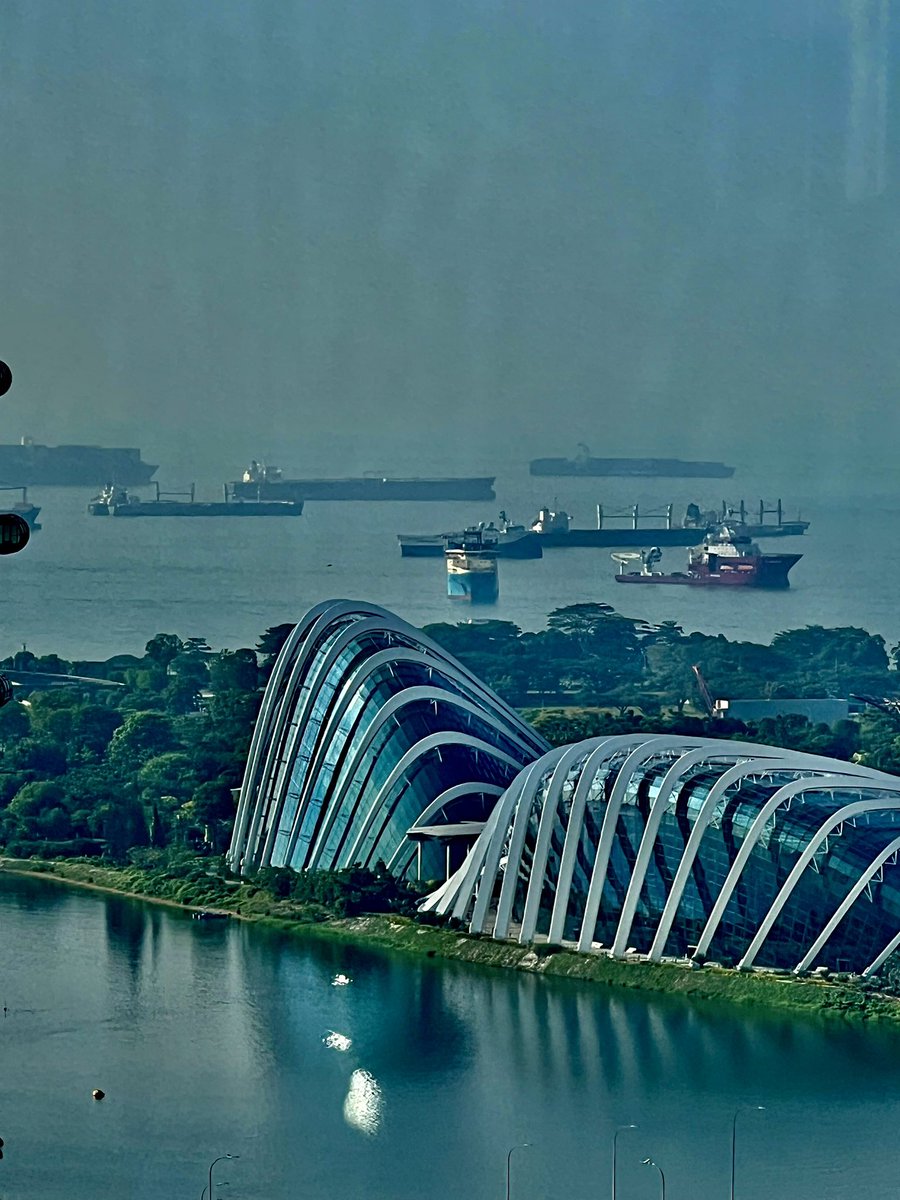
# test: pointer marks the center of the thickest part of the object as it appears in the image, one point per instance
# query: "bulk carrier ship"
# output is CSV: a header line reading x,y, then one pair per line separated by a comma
x,y
267,483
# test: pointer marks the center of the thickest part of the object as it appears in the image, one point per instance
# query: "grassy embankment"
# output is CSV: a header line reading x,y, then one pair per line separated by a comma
x,y
202,888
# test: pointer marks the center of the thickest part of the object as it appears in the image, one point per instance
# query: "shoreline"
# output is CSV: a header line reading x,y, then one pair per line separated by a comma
x,y
772,994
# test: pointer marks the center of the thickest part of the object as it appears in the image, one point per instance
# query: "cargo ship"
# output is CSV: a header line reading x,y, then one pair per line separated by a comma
x,y
584,463
266,483
30,463
553,529
723,560
22,507
472,568
119,502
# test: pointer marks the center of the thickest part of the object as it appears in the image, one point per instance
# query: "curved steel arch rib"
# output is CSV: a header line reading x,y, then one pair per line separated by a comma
x,y
305,663
388,711
604,749
545,831
692,848
485,855
837,818
877,963
415,752
649,749
846,904
685,762
349,690
822,783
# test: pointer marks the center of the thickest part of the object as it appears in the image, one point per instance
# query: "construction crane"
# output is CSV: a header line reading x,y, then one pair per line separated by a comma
x,y
887,705
703,689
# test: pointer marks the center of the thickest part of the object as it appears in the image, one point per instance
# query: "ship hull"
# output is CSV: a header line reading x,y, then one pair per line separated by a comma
x,y
368,488
72,466
785,529
765,571
626,538
432,546
476,587
472,574
671,468
166,508
521,546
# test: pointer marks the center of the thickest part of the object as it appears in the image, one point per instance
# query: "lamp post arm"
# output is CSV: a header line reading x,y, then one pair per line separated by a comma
x,y
620,1129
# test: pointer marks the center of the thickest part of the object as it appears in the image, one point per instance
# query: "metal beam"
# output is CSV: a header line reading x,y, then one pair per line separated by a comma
x,y
835,819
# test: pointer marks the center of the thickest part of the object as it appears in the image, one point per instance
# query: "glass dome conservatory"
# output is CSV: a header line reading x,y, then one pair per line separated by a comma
x,y
674,847
373,745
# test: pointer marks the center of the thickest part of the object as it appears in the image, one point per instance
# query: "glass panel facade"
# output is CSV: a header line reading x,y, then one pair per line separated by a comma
x,y
361,730
775,855
365,724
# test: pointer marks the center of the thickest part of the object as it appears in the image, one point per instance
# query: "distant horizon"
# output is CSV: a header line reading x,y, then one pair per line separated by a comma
x,y
415,234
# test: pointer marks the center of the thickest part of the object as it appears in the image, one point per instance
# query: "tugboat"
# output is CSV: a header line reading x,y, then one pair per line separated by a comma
x,y
723,560
471,559
109,499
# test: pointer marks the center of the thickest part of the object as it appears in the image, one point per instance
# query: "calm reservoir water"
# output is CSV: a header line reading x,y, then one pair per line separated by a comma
x,y
210,1040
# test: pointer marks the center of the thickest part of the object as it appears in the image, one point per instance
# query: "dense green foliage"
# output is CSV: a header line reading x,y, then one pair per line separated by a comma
x,y
150,761
591,655
182,876
593,672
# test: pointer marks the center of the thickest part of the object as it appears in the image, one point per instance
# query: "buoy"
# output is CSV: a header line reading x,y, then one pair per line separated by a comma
x,y
98,1093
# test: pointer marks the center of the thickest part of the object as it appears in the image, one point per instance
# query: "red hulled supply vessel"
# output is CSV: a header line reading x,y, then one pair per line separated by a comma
x,y
723,560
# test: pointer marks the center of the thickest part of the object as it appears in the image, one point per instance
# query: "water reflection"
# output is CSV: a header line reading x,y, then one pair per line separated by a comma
x,y
216,1037
126,926
363,1105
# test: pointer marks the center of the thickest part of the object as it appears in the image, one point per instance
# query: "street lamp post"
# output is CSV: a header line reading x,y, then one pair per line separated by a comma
x,y
621,1129
519,1146
648,1162
737,1111
221,1158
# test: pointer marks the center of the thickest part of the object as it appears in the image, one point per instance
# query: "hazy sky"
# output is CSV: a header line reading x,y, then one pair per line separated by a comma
x,y
396,234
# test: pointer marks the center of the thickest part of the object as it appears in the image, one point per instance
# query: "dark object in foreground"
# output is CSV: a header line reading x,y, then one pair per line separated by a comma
x,y
5,378
14,533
